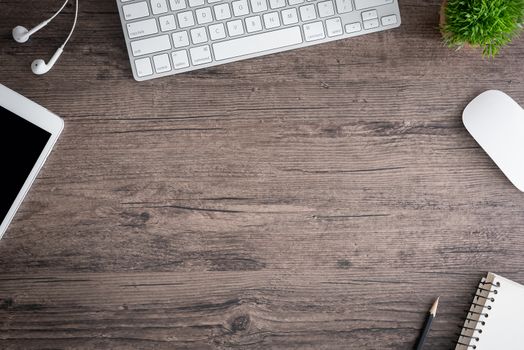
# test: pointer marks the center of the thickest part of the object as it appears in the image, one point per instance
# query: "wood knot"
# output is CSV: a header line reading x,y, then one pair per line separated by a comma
x,y
343,264
6,304
133,219
241,323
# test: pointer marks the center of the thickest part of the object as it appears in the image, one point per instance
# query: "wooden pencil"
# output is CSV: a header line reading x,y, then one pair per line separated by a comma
x,y
427,326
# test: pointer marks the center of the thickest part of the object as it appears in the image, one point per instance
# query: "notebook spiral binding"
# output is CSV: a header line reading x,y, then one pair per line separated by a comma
x,y
478,314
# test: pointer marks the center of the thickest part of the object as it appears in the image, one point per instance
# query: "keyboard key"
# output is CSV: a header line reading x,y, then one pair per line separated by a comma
x,y
142,28
180,59
314,31
186,19
235,28
213,1
158,6
195,3
217,31
371,24
289,16
369,15
271,20
177,4
295,2
240,8
162,63
136,10
253,24
325,9
334,27
353,27
364,4
200,55
389,20
150,45
307,13
222,11
198,35
257,43
344,6
180,39
259,5
167,23
143,67
204,15
276,4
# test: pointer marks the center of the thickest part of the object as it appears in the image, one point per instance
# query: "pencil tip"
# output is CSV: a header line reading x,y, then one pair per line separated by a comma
x,y
433,309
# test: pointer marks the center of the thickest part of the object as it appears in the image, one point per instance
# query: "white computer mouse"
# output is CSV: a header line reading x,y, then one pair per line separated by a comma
x,y
496,122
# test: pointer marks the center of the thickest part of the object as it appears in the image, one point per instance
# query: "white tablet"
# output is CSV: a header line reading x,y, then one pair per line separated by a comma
x,y
27,135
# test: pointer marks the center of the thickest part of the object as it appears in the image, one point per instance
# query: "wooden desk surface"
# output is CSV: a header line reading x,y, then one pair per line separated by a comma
x,y
315,199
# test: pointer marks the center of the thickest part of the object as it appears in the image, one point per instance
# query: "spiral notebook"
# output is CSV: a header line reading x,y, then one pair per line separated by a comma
x,y
495,320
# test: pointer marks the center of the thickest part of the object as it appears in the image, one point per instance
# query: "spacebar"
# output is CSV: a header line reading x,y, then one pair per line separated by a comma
x,y
257,43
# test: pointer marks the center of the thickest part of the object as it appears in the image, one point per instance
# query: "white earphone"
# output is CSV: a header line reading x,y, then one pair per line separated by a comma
x,y
21,35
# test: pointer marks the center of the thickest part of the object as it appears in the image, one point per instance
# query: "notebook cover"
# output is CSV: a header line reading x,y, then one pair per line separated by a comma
x,y
496,317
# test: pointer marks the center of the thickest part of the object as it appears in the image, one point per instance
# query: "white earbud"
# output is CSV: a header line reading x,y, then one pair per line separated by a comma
x,y
21,34
39,66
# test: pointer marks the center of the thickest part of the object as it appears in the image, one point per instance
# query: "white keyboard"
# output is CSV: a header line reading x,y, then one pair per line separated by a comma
x,y
166,37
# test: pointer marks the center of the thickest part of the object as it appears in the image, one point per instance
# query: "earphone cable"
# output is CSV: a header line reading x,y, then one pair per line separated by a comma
x,y
74,24
57,12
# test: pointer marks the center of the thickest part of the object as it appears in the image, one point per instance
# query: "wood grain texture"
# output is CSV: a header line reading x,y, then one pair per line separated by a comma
x,y
315,199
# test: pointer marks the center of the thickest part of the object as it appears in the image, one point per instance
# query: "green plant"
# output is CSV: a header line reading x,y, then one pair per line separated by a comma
x,y
488,24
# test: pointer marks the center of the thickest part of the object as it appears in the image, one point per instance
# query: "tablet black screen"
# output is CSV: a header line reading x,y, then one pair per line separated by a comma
x,y
21,143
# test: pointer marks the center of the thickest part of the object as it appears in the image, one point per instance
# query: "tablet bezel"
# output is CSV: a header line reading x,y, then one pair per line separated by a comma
x,y
44,119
